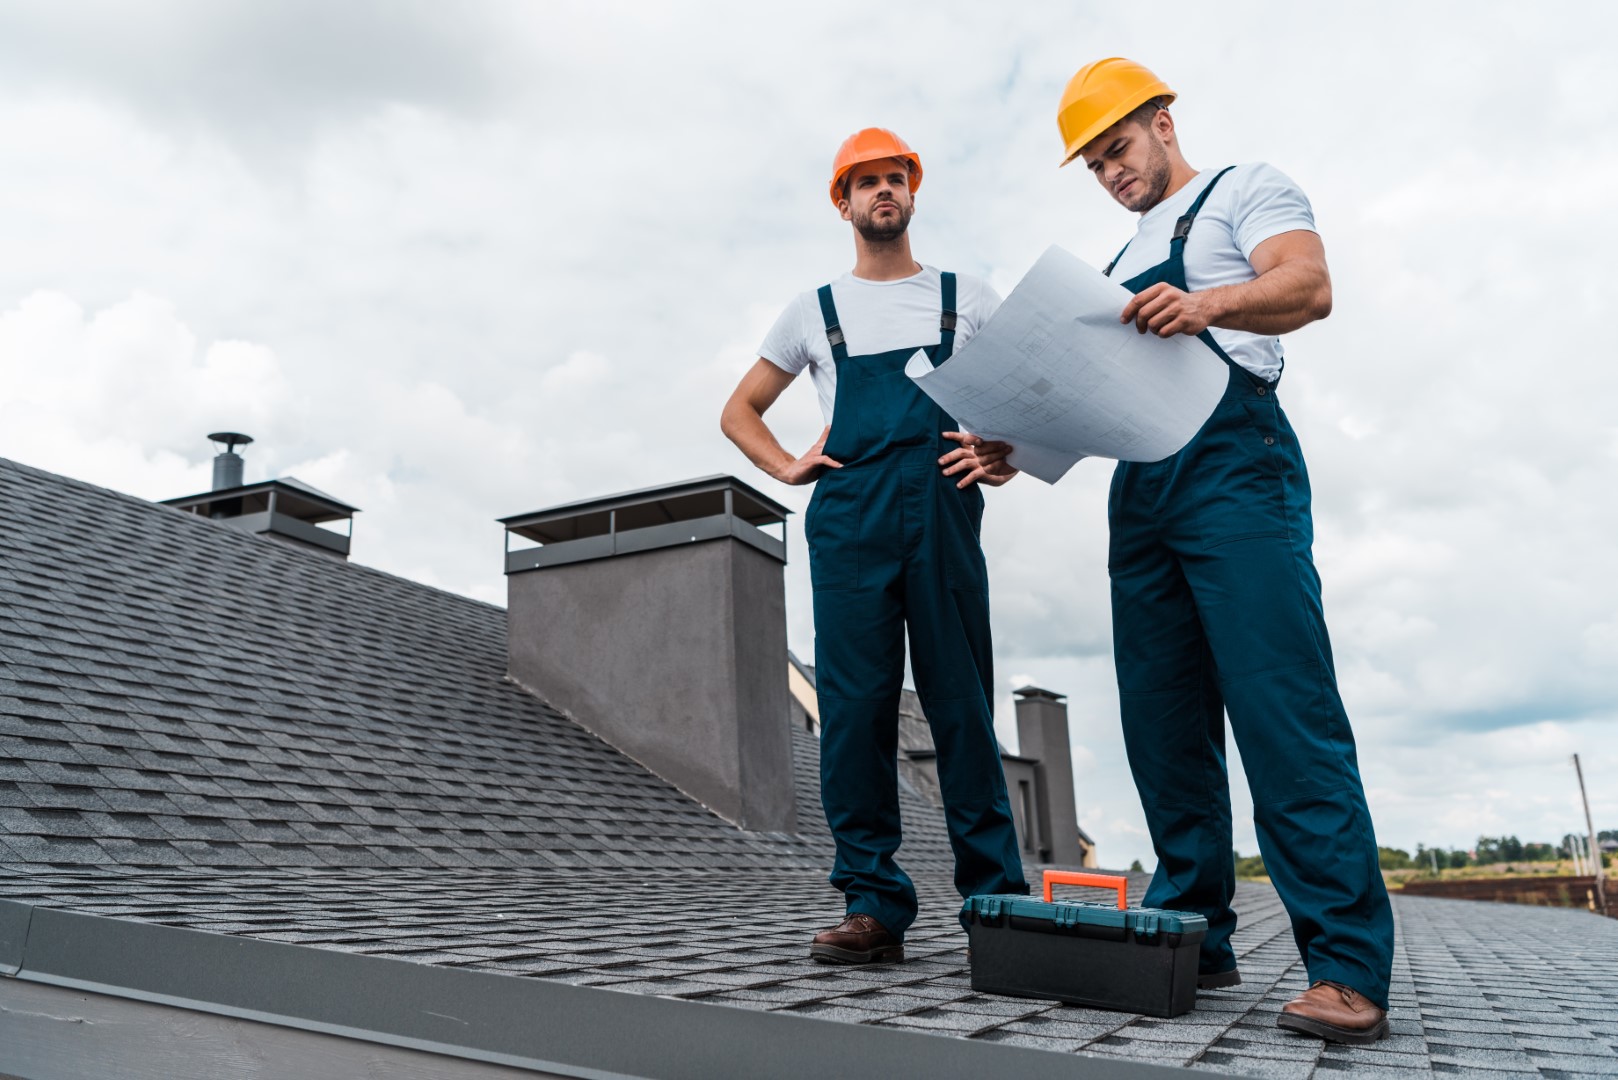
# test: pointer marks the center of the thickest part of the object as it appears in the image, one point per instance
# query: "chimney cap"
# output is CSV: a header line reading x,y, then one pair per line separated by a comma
x,y
297,499
1035,693
231,439
754,507
707,508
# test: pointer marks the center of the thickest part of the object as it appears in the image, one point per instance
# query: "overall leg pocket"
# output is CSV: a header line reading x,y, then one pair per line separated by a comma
x,y
1240,483
832,528
962,516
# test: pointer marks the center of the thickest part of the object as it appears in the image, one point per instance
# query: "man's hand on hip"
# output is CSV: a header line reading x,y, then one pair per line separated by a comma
x,y
982,462
1166,311
807,468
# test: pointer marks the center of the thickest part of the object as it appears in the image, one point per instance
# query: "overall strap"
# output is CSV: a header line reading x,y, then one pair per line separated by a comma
x,y
1182,227
1108,271
946,319
834,333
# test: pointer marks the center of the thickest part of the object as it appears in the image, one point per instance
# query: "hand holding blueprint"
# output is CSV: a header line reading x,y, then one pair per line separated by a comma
x,y
1056,375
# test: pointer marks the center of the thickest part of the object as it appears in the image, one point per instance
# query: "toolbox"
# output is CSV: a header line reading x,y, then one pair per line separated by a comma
x,y
1140,960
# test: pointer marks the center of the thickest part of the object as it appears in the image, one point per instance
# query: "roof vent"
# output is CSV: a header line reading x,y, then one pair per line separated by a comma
x,y
287,509
227,465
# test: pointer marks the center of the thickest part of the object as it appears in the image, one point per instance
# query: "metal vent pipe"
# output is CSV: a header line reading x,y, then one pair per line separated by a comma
x,y
227,465
227,471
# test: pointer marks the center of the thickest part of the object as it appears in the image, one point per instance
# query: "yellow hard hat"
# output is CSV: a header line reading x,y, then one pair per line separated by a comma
x,y
1100,95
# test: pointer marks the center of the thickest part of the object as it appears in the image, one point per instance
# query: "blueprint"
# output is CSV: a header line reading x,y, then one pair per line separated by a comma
x,y
1056,375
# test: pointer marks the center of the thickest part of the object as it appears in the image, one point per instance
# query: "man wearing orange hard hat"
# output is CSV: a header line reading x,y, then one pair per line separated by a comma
x,y
1215,598
893,541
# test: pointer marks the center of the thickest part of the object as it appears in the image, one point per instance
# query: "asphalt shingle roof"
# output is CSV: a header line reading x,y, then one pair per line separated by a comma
x,y
176,692
205,729
1478,988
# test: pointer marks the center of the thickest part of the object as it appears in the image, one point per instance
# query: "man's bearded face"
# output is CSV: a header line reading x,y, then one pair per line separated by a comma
x,y
879,201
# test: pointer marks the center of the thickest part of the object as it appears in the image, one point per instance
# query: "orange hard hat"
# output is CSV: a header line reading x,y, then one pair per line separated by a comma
x,y
872,144
1100,95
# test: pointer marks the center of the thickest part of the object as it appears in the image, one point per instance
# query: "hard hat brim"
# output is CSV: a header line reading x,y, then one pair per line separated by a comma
x,y
1106,120
915,172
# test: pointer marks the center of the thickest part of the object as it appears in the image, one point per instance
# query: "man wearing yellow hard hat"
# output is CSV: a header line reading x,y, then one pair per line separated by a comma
x,y
1215,598
893,542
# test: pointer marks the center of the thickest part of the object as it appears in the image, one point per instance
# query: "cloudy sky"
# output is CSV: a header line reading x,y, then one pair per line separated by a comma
x,y
453,262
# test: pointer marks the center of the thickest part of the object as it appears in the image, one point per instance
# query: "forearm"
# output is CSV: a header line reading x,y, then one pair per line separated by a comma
x,y
1285,298
744,426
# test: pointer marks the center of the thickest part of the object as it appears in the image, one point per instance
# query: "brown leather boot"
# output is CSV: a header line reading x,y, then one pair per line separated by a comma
x,y
1335,1012
858,939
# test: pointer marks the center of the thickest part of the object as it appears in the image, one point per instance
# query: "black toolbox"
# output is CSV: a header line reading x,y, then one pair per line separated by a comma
x,y
1140,960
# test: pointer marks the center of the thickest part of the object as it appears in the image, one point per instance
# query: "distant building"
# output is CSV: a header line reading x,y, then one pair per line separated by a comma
x,y
1040,785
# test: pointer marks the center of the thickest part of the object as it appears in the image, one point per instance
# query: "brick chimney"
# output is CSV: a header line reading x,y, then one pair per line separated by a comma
x,y
657,619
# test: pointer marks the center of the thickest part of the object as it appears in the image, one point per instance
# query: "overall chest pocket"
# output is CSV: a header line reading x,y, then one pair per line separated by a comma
x,y
889,411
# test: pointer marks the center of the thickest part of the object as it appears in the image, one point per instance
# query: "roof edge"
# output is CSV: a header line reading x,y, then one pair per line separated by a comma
x,y
504,1019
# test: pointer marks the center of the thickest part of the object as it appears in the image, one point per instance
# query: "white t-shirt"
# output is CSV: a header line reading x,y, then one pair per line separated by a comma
x,y
876,317
1251,204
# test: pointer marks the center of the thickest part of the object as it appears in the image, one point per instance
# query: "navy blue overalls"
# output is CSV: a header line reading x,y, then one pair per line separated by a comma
x,y
893,543
1216,606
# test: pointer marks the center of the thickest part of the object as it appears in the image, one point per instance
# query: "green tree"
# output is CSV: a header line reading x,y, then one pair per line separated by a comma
x,y
1511,849
1393,858
1488,849
1458,859
1136,868
1250,867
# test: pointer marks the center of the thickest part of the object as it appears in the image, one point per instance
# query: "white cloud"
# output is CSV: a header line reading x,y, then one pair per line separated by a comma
x,y
124,392
580,371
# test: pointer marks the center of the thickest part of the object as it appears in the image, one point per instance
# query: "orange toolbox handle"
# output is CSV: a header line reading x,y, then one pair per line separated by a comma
x,y
1098,881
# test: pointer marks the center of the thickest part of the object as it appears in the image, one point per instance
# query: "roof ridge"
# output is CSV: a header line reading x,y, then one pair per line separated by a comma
x,y
238,535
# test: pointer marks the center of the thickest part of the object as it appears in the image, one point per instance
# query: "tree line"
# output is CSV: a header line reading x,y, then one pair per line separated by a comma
x,y
1488,851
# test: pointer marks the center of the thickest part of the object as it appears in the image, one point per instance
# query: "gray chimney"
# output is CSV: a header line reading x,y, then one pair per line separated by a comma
x,y
1042,734
657,619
